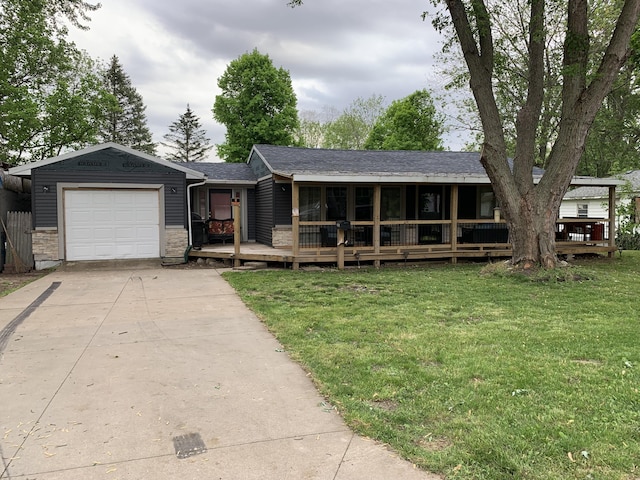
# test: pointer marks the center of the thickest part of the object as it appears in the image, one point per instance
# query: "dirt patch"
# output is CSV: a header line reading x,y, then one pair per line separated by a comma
x,y
10,282
433,444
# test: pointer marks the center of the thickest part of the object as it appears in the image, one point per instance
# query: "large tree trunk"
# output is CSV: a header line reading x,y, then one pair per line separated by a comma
x,y
531,208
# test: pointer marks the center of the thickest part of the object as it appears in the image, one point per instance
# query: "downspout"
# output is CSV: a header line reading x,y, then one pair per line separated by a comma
x,y
189,187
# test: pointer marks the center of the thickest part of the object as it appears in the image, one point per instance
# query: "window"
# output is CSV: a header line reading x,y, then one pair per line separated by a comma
x,y
391,203
310,201
364,203
583,210
220,204
336,203
487,201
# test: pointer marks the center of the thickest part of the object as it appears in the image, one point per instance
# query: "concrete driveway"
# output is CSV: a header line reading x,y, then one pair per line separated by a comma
x,y
147,372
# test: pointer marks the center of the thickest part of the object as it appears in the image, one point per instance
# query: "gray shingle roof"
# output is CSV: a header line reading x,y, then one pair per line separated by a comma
x,y
292,160
633,177
229,172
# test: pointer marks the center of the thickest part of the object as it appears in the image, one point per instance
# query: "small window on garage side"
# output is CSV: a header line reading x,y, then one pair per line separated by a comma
x,y
583,210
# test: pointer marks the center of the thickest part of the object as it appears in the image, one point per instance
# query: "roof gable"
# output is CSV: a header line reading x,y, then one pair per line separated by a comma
x,y
104,156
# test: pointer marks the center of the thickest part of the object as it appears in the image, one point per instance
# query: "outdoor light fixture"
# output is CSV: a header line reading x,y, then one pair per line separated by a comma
x,y
45,188
174,190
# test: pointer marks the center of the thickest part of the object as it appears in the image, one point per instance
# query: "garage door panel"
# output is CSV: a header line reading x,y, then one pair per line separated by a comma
x,y
125,217
112,224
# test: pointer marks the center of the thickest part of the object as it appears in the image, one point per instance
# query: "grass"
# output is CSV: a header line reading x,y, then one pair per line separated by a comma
x,y
468,374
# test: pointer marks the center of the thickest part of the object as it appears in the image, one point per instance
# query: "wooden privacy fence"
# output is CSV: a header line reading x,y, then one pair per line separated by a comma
x,y
17,237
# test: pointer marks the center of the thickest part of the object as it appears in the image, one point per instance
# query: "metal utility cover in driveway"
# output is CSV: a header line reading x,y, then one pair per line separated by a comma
x,y
189,445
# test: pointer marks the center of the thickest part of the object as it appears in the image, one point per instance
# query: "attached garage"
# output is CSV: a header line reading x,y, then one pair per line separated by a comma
x,y
108,202
111,224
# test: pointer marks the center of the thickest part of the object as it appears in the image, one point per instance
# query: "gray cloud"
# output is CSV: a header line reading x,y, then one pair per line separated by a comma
x,y
335,51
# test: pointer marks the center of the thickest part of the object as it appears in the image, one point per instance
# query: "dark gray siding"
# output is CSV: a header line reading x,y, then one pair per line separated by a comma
x,y
251,214
45,212
282,204
264,211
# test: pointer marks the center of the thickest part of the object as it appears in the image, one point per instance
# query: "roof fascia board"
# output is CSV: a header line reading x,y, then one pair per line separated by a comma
x,y
443,179
213,181
596,182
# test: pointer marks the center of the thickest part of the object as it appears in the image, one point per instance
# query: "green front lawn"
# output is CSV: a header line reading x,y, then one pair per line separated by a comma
x,y
469,375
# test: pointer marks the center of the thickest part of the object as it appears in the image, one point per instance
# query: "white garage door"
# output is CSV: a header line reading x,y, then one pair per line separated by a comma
x,y
111,224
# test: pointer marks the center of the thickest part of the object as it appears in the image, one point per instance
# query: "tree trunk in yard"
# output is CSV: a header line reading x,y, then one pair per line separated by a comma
x,y
531,207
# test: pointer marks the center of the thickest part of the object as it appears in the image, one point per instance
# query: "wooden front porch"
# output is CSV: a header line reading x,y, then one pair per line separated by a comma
x,y
376,241
402,242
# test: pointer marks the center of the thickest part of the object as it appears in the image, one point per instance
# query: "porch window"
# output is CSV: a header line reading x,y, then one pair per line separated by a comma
x,y
336,203
487,201
391,203
310,201
220,204
583,210
364,203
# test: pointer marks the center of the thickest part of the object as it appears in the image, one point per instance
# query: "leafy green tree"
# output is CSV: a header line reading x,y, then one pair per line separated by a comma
x,y
75,11
125,124
39,71
73,109
613,145
352,128
612,130
187,139
411,123
257,105
313,127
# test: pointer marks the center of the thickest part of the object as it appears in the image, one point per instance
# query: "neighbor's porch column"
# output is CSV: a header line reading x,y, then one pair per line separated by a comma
x,y
612,218
377,202
295,223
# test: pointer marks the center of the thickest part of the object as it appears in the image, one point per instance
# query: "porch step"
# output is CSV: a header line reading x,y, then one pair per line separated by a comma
x,y
252,266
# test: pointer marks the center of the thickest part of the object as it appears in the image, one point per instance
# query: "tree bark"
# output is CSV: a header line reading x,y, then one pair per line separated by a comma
x,y
530,208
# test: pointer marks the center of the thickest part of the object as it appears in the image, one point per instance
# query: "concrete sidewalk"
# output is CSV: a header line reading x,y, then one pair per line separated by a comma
x,y
159,373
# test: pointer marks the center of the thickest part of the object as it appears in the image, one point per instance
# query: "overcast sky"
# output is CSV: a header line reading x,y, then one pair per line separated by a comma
x,y
335,51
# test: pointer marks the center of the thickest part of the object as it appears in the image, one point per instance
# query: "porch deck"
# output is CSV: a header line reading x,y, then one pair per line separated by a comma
x,y
356,255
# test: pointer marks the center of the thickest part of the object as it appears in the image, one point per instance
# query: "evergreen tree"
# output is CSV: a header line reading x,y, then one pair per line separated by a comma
x,y
187,139
126,124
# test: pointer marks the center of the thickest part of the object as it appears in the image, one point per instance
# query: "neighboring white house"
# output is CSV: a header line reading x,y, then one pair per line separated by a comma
x,y
593,202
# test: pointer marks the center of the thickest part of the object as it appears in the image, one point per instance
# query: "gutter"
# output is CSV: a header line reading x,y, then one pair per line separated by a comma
x,y
189,187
